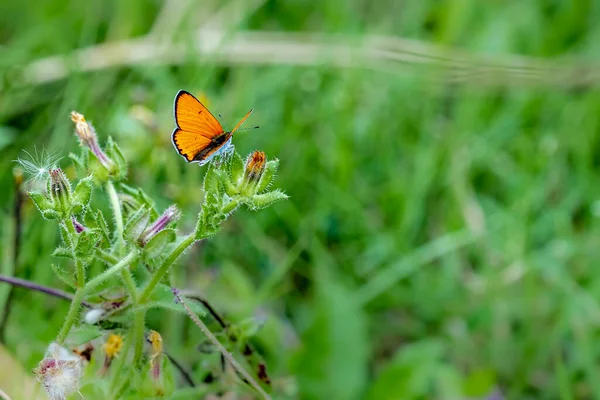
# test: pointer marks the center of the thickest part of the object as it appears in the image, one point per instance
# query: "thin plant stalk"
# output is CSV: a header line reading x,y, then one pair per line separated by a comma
x,y
219,346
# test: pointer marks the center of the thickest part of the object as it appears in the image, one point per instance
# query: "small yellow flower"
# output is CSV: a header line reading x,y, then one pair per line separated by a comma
x,y
156,341
113,345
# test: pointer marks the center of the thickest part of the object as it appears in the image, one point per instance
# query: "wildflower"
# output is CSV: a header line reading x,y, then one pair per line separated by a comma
x,y
87,135
171,214
60,372
112,347
156,341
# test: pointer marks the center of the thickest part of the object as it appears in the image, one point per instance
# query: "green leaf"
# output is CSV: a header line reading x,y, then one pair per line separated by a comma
x,y
63,275
140,198
63,252
264,200
267,176
333,361
212,182
78,161
41,202
410,374
86,242
157,244
136,223
236,168
97,222
114,153
82,194
50,214
83,334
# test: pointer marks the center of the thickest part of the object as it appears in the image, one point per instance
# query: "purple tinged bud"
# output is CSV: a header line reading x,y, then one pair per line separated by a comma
x,y
171,214
78,226
87,135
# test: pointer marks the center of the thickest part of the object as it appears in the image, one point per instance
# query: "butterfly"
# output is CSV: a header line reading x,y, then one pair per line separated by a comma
x,y
199,136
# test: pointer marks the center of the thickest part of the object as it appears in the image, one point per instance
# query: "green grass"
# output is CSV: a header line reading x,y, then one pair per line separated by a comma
x,y
440,239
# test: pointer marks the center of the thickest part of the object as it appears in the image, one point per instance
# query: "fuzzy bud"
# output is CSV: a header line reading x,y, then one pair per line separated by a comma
x,y
255,166
59,190
60,372
170,215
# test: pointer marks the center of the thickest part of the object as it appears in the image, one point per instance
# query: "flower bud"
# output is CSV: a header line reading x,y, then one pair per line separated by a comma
x,y
87,135
59,190
77,225
255,166
60,372
171,214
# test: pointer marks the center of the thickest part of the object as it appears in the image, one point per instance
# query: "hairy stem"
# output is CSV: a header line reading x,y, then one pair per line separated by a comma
x,y
135,338
164,268
219,346
124,263
71,315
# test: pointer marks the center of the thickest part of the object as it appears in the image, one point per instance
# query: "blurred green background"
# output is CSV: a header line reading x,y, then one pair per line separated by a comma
x,y
442,160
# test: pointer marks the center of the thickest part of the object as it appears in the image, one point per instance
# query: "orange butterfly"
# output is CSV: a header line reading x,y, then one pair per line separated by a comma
x,y
199,136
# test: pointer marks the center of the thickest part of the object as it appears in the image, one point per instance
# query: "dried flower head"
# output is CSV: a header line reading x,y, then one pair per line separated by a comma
x,y
60,372
87,135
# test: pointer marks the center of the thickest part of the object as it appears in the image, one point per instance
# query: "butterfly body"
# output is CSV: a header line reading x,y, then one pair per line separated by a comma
x,y
199,136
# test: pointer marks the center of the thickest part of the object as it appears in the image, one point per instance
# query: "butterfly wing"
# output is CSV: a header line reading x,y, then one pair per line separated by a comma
x,y
192,116
196,128
189,144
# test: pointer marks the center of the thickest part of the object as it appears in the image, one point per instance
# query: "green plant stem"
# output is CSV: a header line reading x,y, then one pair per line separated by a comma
x,y
82,290
116,206
107,257
136,338
228,356
164,268
118,366
80,273
128,259
139,319
130,285
71,315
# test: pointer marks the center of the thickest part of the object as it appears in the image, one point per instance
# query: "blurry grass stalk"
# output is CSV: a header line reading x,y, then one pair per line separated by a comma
x,y
404,267
380,53
12,248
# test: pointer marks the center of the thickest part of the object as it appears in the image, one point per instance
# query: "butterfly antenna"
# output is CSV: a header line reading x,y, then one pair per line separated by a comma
x,y
247,129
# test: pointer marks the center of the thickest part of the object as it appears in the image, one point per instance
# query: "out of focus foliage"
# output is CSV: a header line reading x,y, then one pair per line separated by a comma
x,y
441,238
